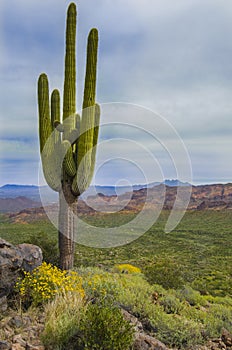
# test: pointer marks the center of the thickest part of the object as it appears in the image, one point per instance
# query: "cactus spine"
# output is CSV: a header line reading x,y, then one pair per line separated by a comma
x,y
68,150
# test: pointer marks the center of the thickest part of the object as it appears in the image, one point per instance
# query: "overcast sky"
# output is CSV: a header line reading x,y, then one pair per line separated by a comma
x,y
171,57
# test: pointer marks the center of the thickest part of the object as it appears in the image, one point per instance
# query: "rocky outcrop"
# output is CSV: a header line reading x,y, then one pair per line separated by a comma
x,y
227,338
142,340
12,260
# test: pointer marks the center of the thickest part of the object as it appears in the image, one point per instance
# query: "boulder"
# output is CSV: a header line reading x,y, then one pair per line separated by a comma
x,y
146,342
12,260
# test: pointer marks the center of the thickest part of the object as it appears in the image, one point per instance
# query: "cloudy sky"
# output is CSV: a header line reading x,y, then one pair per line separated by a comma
x,y
170,57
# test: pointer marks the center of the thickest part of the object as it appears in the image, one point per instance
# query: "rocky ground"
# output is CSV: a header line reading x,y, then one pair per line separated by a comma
x,y
21,331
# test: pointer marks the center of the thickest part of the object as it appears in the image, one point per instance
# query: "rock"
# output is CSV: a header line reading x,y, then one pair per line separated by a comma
x,y
146,342
12,260
18,339
132,320
3,304
16,321
226,337
17,346
32,256
5,345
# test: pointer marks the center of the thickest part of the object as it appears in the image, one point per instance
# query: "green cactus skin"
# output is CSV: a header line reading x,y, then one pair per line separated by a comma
x,y
69,96
68,148
45,128
85,144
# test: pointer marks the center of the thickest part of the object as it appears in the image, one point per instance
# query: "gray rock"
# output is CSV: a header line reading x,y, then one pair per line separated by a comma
x,y
5,345
3,304
146,342
132,320
32,256
16,321
12,260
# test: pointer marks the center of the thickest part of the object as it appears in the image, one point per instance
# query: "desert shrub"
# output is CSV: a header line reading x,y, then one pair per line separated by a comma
x,y
193,297
177,332
180,318
62,320
99,284
71,324
171,304
218,300
44,282
166,272
213,317
131,290
126,268
221,317
136,294
48,245
104,327
215,283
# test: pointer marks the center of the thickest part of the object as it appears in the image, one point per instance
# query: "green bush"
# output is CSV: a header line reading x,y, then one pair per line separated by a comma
x,y
215,283
175,331
166,272
193,297
104,327
171,304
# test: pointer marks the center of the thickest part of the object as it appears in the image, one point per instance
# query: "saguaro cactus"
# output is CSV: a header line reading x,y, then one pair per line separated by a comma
x,y
68,149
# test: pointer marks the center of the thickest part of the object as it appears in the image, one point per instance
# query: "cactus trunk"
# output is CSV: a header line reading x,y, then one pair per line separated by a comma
x,y
68,160
67,207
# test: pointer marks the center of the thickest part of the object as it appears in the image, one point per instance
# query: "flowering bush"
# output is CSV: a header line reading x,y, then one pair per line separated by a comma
x,y
101,285
127,268
44,282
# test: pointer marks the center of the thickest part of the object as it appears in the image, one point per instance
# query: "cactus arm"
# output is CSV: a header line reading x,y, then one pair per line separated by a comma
x,y
55,115
69,96
91,69
85,143
45,127
49,161
55,107
95,140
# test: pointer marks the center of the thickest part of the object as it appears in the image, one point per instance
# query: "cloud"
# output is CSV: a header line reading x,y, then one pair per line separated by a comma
x,y
174,58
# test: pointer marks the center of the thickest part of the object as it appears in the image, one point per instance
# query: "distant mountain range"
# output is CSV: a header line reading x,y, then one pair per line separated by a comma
x,y
112,190
14,198
203,197
29,191
33,192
